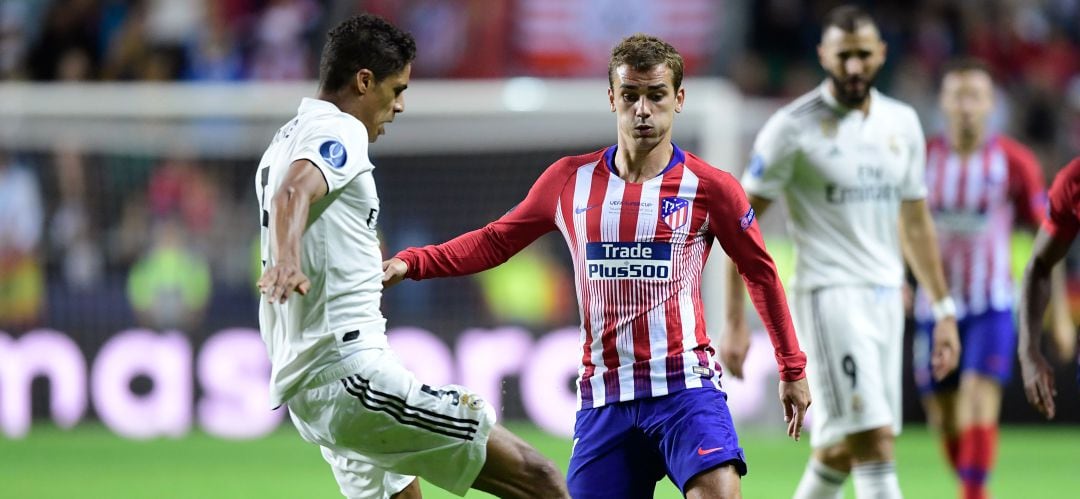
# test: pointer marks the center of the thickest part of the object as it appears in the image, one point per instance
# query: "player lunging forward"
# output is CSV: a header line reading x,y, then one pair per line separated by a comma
x,y
376,423
849,162
639,218
978,184
1051,244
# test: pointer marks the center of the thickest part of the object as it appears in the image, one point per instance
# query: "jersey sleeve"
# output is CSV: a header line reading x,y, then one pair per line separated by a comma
x,y
1026,185
496,242
731,220
1062,222
338,147
914,183
772,159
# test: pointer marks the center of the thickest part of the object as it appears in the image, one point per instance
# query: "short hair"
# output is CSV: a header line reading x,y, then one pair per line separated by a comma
x,y
965,64
848,18
643,52
364,42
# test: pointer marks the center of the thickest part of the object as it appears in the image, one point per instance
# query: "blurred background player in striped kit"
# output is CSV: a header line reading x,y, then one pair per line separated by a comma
x,y
979,184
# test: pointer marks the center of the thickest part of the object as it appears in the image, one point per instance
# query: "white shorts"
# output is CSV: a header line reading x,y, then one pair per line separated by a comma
x,y
382,427
853,337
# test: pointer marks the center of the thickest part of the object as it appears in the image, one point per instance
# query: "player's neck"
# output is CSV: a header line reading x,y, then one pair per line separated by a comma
x,y
966,144
337,99
638,165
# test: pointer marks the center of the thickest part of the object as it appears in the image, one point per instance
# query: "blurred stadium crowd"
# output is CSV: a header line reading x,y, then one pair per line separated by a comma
x,y
103,239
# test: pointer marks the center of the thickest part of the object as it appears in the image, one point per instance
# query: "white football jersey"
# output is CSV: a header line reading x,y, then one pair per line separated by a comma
x,y
843,175
311,338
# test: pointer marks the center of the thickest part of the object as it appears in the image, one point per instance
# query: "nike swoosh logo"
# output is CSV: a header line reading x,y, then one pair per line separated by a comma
x,y
702,452
578,211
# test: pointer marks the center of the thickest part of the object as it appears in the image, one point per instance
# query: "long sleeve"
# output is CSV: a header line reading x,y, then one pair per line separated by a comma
x,y
731,220
496,242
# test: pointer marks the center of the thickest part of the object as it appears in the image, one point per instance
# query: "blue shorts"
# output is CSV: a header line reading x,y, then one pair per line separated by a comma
x,y
987,344
623,449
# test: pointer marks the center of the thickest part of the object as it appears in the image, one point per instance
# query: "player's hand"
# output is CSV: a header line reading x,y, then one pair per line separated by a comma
x,y
946,352
734,347
394,271
281,279
1038,382
795,398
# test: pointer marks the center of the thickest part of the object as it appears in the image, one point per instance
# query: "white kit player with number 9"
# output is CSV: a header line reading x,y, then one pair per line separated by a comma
x,y
849,163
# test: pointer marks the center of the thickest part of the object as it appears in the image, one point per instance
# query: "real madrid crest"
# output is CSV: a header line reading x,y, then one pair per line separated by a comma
x,y
828,126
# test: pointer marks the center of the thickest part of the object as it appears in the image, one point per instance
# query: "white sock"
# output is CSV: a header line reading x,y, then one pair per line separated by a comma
x,y
820,482
876,481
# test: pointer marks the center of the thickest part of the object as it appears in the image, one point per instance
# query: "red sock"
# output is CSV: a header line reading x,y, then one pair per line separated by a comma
x,y
952,450
978,447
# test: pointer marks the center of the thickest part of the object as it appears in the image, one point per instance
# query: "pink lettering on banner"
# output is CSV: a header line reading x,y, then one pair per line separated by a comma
x,y
42,352
423,354
547,389
166,360
487,356
234,373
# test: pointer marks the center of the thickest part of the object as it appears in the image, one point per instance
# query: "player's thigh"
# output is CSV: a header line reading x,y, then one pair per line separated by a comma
x,y
398,423
720,482
611,456
359,479
695,432
854,348
981,397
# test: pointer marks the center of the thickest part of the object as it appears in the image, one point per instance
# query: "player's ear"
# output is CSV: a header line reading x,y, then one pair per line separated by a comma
x,y
680,97
611,98
365,79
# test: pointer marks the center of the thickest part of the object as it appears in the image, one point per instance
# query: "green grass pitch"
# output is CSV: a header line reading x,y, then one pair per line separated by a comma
x,y
90,462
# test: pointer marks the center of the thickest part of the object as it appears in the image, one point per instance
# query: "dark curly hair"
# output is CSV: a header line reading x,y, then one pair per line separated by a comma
x,y
643,52
363,42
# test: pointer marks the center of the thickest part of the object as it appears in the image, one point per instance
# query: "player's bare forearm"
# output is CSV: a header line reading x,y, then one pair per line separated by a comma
x,y
1036,289
303,185
918,240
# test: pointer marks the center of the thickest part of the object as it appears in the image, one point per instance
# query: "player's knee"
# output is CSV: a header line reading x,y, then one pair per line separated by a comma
x,y
871,446
542,475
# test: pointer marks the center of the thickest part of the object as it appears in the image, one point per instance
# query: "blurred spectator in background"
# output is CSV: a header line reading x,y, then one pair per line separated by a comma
x,y
531,289
71,229
169,288
283,41
22,281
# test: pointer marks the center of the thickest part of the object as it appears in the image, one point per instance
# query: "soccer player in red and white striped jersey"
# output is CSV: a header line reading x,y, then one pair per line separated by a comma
x,y
979,186
639,219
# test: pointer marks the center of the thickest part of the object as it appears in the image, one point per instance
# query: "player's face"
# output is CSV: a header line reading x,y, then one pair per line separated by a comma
x,y
645,103
967,98
382,100
852,60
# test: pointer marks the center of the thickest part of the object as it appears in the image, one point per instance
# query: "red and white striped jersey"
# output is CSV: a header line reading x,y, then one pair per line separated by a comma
x,y
975,201
638,252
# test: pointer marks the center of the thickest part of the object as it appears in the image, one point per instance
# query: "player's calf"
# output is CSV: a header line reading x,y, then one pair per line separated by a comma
x,y
513,469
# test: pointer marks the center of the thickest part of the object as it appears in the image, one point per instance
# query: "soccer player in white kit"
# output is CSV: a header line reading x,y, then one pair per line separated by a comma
x,y
849,163
377,425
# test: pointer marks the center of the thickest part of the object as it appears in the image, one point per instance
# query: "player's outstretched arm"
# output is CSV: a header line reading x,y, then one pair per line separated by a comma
x,y
1035,294
735,342
919,243
303,185
493,244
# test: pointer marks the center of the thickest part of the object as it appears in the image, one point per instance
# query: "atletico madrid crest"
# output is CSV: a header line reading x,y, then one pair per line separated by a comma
x,y
675,212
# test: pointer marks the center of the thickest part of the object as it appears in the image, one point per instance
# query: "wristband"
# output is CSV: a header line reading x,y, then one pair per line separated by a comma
x,y
943,308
